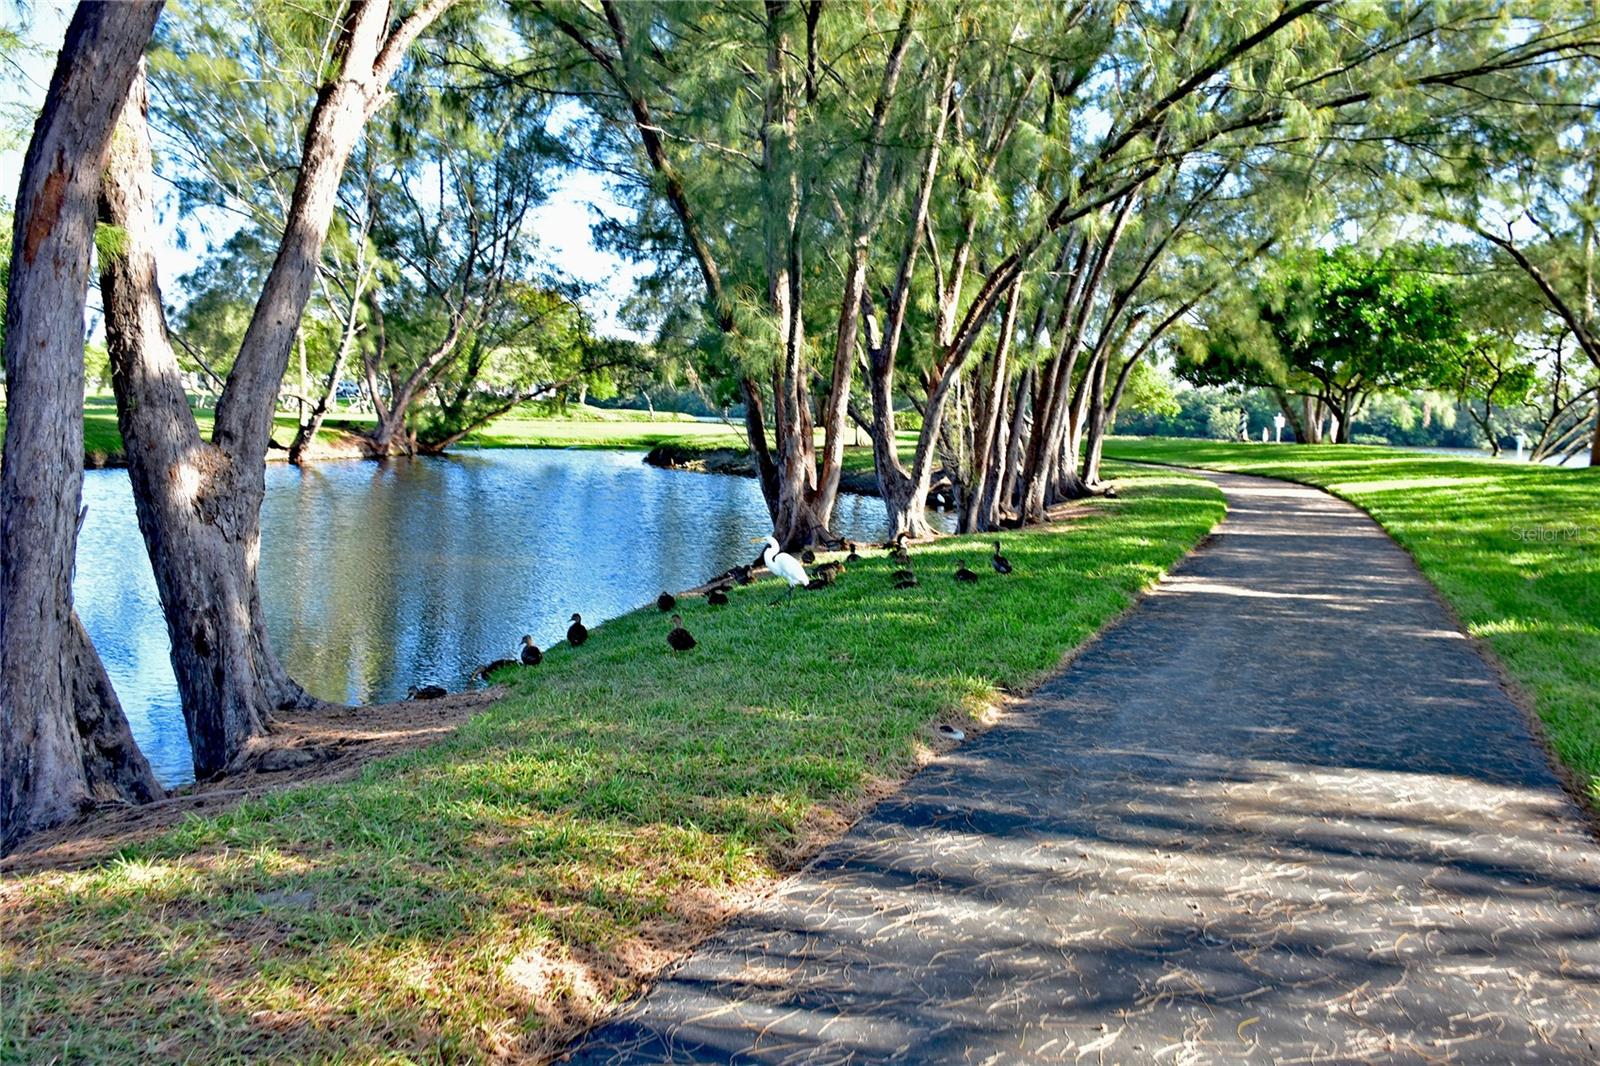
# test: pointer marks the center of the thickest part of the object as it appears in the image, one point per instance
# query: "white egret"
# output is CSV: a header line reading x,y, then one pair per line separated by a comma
x,y
782,564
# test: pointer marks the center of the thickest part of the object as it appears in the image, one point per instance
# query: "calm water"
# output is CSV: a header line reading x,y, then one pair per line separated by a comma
x,y
377,577
1507,455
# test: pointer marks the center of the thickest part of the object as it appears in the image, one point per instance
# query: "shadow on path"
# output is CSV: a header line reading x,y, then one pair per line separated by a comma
x,y
1283,812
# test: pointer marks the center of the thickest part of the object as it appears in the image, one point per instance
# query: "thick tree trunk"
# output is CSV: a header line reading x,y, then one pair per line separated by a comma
x,y
1342,427
198,510
1311,420
66,742
200,505
1594,442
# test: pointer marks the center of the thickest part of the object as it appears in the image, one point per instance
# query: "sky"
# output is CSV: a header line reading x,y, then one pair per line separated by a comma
x,y
562,224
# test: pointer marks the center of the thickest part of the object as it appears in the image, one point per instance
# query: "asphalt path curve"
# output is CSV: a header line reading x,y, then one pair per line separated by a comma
x,y
1283,811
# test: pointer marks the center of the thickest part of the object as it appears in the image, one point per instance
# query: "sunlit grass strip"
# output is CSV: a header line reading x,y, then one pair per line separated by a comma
x,y
1514,548
488,895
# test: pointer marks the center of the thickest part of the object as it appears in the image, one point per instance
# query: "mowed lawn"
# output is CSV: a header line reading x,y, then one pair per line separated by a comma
x,y
589,427
102,440
487,897
1513,547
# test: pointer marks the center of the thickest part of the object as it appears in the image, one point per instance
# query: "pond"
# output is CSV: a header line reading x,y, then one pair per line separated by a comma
x,y
379,576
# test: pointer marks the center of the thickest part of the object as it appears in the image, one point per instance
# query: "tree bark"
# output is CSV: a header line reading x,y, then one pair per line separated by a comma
x,y
199,503
864,218
66,740
200,524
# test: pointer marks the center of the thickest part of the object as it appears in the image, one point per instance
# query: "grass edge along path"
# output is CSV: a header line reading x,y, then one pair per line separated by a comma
x,y
490,896
1513,548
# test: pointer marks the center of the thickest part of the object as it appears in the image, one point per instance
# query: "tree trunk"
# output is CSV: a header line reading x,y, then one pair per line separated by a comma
x,y
803,510
1312,419
66,741
311,425
198,510
1594,442
199,504
977,496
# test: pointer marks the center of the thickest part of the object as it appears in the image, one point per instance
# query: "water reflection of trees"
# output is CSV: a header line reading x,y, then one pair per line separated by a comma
x,y
377,576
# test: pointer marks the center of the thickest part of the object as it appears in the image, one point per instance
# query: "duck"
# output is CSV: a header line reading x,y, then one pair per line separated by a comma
x,y
907,582
741,575
488,668
1001,564
902,574
834,569
426,692
666,601
783,565
531,655
718,597
854,556
679,639
962,573
807,556
577,632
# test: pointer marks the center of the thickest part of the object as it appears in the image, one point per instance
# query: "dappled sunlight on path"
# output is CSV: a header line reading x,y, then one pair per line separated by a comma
x,y
1284,812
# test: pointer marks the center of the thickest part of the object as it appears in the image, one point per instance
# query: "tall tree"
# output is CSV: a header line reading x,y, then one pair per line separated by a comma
x,y
453,206
66,741
199,501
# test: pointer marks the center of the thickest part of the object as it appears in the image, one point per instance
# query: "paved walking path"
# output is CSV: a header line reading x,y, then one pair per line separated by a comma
x,y
1282,813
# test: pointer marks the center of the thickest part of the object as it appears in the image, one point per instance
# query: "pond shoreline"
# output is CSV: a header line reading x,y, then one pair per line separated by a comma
x,y
544,859
736,462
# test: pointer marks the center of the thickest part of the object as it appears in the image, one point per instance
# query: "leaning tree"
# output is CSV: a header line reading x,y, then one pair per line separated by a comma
x,y
199,500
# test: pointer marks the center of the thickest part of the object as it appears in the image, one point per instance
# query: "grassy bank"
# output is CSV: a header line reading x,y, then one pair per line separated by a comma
x,y
722,445
102,440
719,443
1514,548
589,427
484,897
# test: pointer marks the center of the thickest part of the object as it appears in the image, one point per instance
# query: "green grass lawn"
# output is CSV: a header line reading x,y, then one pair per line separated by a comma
x,y
581,427
484,897
102,440
1513,547
597,428
591,427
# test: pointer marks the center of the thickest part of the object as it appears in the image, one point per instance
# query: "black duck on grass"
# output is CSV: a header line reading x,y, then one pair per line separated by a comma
x,y
742,574
962,573
679,639
1001,564
907,582
902,574
666,601
577,632
808,556
854,556
531,655
718,597
426,692
489,668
